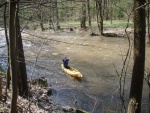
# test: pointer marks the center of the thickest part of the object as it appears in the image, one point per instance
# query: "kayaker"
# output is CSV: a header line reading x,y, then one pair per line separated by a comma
x,y
65,60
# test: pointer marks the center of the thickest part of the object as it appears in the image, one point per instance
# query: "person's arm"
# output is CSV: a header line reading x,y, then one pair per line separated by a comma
x,y
69,57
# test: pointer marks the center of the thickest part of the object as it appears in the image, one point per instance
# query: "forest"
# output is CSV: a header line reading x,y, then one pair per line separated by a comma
x,y
105,42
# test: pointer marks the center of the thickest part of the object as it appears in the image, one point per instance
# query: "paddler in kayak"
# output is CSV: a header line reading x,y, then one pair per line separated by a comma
x,y
65,60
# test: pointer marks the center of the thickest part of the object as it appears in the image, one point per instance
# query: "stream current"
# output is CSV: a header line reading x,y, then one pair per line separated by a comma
x,y
97,58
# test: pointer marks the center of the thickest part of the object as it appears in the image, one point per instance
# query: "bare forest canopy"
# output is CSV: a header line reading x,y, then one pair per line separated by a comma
x,y
53,14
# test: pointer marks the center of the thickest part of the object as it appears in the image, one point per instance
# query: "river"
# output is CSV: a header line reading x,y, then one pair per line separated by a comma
x,y
97,58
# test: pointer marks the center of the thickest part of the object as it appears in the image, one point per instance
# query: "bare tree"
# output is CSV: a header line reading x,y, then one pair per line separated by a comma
x,y
83,17
134,105
22,74
99,11
89,12
13,53
7,41
40,16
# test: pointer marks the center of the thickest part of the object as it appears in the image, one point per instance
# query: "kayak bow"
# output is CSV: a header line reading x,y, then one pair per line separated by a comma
x,y
71,71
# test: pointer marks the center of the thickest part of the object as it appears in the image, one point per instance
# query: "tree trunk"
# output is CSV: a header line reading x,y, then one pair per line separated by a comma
x,y
83,18
99,9
57,15
22,75
107,11
89,12
0,87
148,22
13,53
111,12
41,20
7,41
134,105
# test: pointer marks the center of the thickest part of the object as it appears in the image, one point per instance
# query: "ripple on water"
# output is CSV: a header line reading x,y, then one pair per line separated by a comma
x,y
2,40
27,43
54,54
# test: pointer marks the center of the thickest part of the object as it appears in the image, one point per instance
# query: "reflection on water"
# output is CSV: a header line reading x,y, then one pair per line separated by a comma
x,y
94,57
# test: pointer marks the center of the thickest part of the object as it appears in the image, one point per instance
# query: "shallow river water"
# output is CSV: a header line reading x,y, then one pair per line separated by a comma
x,y
97,58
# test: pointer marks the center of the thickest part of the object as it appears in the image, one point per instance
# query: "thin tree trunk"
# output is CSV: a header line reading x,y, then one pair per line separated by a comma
x,y
107,10
99,9
89,12
13,53
7,41
41,20
83,18
0,87
134,105
57,15
111,13
148,22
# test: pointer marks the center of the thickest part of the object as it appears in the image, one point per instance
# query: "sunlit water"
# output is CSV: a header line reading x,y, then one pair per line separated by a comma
x,y
99,59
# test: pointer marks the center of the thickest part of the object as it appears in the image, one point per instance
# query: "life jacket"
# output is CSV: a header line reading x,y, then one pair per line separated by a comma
x,y
65,61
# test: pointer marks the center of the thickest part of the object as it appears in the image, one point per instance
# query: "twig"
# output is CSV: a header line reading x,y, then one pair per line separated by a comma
x,y
125,63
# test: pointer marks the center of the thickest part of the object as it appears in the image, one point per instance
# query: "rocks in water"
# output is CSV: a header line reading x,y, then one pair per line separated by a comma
x,y
110,34
49,91
42,100
68,109
42,81
94,34
40,92
71,29
41,97
107,34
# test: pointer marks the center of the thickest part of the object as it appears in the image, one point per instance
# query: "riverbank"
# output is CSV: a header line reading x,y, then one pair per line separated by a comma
x,y
38,101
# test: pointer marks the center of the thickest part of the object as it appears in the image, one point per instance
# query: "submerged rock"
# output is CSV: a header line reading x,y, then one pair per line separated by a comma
x,y
94,34
68,109
49,91
42,81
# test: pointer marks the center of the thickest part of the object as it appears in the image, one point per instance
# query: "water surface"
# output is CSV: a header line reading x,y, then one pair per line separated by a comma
x,y
97,58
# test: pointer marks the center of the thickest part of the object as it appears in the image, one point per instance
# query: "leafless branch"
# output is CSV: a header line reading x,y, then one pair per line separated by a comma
x,y
123,74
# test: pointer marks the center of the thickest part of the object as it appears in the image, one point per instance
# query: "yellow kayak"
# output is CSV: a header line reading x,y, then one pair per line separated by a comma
x,y
71,71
